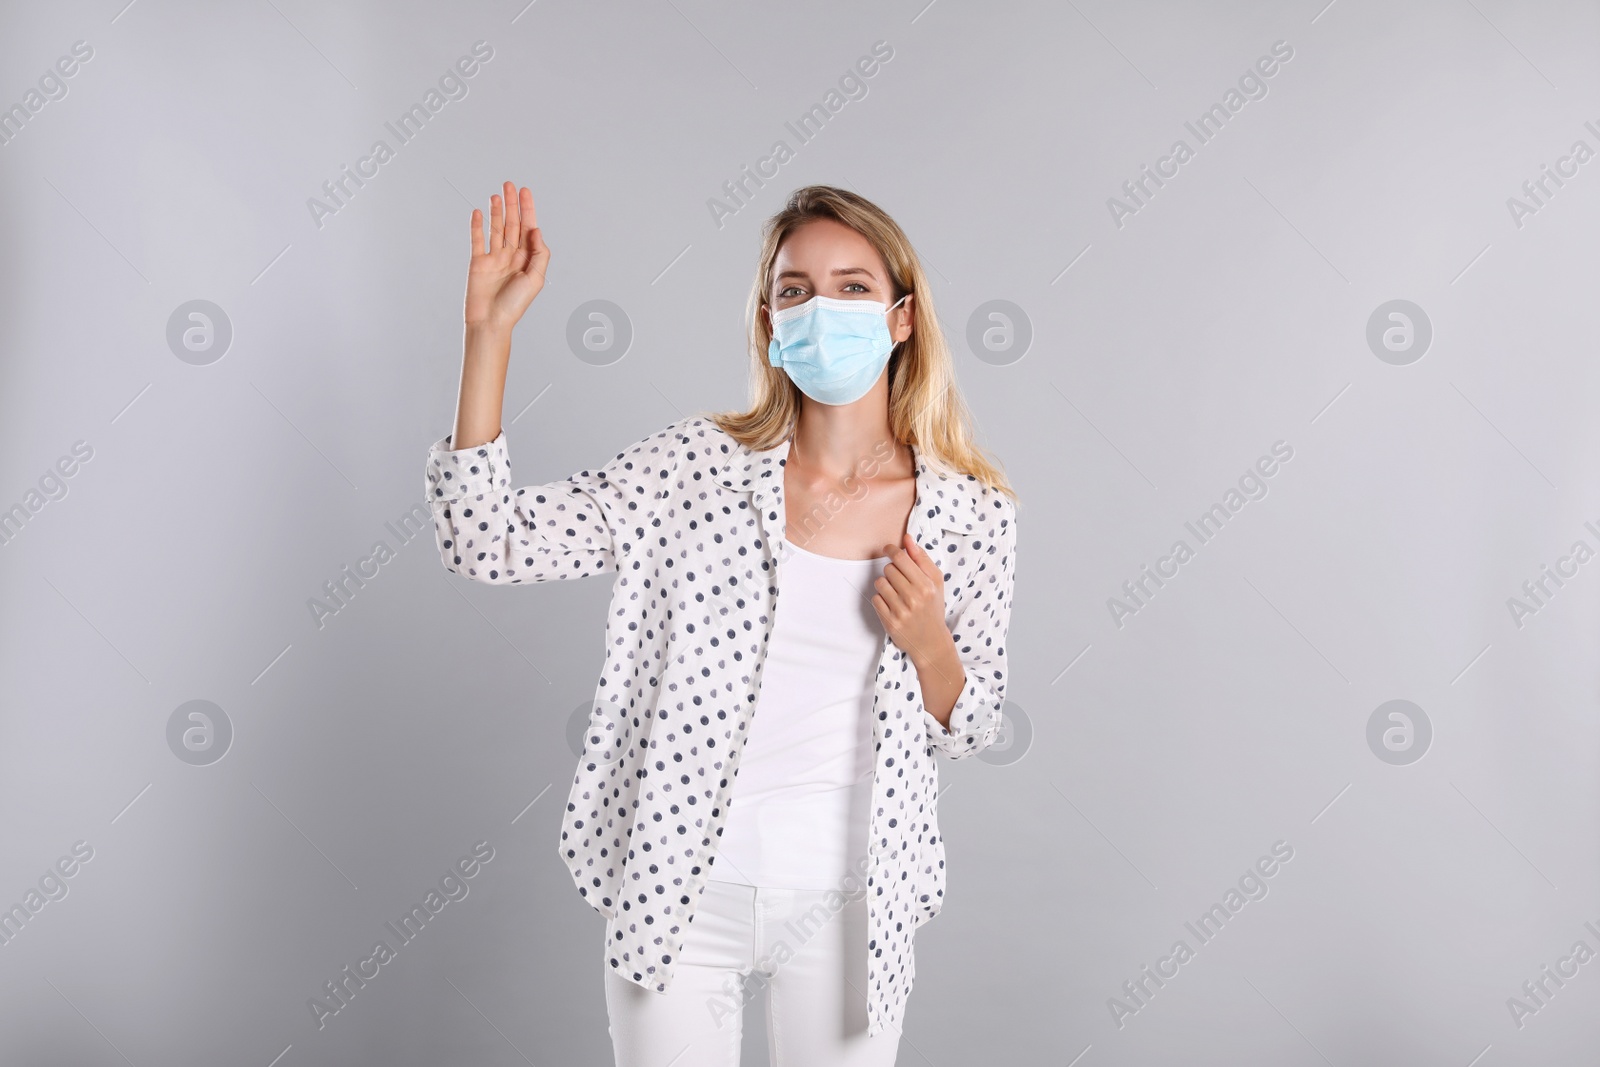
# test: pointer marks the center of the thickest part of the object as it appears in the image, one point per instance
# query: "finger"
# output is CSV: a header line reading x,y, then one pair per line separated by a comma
x,y
890,553
525,220
538,255
532,216
902,583
882,608
496,223
894,594
525,209
920,556
477,232
901,561
526,239
538,251
513,238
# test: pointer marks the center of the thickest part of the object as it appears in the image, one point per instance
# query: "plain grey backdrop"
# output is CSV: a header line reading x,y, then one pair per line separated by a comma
x,y
227,765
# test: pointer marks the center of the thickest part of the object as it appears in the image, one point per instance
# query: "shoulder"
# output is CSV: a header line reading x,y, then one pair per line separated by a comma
x,y
689,431
997,511
701,445
692,443
976,506
699,430
676,439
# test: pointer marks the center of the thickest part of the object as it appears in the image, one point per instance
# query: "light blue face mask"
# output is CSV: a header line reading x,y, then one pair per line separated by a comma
x,y
834,350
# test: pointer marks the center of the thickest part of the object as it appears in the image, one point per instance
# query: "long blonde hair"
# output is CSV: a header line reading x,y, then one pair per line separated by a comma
x,y
925,407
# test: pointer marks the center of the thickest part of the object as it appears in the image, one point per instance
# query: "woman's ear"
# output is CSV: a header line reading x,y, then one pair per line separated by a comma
x,y
907,314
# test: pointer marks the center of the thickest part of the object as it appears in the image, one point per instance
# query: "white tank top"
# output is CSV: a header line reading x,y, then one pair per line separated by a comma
x,y
799,814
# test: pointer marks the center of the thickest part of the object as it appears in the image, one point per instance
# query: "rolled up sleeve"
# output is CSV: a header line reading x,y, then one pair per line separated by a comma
x,y
980,631
578,526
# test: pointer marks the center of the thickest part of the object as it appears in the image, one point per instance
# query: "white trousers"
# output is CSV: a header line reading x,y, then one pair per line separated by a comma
x,y
788,949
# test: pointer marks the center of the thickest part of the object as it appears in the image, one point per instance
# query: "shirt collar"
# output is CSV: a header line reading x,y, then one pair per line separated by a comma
x,y
944,501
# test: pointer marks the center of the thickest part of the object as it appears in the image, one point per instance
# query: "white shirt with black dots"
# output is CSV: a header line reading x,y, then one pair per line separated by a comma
x,y
692,523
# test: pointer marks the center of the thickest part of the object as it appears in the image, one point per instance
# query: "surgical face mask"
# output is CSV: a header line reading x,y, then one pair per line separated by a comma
x,y
832,349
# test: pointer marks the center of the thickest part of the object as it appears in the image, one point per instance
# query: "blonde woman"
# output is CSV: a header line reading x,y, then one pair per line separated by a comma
x,y
810,603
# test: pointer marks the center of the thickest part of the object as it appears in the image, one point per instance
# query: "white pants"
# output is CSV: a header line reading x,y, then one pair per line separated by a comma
x,y
786,947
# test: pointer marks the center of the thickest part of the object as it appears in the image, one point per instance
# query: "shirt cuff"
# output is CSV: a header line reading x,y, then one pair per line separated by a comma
x,y
974,723
466,473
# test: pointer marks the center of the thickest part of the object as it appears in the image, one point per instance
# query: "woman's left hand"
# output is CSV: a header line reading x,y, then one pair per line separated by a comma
x,y
910,601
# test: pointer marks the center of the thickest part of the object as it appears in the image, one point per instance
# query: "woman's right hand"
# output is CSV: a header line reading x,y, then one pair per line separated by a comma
x,y
502,281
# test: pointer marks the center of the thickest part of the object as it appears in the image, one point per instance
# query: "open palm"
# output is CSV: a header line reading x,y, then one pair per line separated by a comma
x,y
503,280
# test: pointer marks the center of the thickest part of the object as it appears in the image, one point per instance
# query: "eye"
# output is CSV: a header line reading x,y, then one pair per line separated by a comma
x,y
859,286
788,291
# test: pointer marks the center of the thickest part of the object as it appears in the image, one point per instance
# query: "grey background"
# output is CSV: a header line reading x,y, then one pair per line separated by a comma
x,y
369,753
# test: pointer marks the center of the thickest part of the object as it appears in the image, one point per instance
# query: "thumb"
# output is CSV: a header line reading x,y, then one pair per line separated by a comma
x,y
920,556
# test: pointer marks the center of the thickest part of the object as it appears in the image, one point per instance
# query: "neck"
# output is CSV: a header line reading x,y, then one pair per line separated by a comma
x,y
839,442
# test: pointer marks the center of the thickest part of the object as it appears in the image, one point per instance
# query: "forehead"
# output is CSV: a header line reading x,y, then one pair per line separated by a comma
x,y
819,246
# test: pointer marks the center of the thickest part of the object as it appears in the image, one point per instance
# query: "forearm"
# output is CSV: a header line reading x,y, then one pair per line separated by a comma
x,y
486,352
942,677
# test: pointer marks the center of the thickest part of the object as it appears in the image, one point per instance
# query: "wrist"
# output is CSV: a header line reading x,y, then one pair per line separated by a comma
x,y
941,657
486,344
488,330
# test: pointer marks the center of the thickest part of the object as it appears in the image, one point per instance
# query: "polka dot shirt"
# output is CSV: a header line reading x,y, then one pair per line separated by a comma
x,y
691,523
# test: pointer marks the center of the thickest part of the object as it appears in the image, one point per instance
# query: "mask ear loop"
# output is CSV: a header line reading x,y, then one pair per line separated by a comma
x,y
896,304
895,351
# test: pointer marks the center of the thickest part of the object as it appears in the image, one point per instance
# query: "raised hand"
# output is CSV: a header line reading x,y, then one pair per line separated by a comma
x,y
503,280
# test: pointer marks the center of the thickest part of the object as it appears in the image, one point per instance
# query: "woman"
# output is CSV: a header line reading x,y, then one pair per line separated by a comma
x,y
793,852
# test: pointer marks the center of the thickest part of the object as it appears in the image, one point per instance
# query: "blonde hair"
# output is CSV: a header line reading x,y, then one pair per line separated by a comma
x,y
925,407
